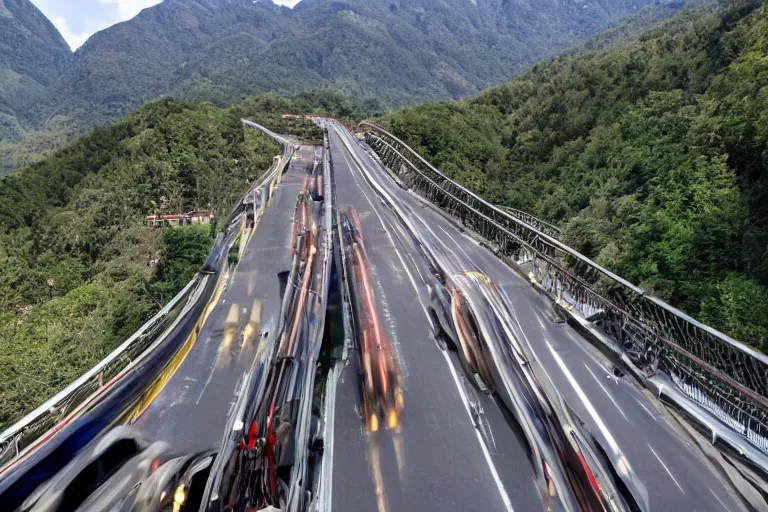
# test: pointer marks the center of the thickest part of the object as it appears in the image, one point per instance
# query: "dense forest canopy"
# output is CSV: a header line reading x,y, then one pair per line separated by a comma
x,y
76,218
388,53
651,155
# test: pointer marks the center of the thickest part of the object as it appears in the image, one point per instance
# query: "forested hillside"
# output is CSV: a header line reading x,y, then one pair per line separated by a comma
x,y
652,156
76,218
389,54
32,57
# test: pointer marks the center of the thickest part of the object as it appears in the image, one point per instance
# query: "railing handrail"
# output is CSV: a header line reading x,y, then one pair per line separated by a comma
x,y
74,386
62,397
584,259
459,186
508,209
549,239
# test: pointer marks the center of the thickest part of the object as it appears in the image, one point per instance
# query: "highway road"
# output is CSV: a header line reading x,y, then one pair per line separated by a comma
x,y
436,461
190,410
440,460
454,447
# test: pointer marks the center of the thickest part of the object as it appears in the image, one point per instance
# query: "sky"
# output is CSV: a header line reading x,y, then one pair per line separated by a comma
x,y
77,20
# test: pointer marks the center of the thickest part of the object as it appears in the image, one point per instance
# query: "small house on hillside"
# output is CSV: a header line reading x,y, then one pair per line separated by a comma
x,y
180,219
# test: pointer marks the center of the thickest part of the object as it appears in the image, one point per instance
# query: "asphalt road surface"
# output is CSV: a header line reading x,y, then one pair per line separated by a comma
x,y
191,410
449,464
437,460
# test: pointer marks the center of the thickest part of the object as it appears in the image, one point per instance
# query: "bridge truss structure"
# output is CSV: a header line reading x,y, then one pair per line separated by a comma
x,y
724,376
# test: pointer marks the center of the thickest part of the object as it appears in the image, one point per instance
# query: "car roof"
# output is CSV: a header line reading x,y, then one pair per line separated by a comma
x,y
51,489
130,475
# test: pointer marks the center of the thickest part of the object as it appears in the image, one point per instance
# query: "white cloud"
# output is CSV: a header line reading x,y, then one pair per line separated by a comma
x,y
66,13
74,39
127,9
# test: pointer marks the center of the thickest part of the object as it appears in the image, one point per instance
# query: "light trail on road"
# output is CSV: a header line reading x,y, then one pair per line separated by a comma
x,y
617,413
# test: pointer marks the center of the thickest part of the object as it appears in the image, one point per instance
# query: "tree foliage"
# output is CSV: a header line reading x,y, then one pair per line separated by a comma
x,y
76,218
651,155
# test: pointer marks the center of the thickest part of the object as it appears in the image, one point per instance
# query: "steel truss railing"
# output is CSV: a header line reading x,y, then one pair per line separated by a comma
x,y
23,434
716,371
541,225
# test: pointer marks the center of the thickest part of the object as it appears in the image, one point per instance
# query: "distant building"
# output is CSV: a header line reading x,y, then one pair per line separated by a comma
x,y
180,219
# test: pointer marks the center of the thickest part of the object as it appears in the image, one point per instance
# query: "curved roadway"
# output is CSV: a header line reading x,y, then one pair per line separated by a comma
x,y
447,460
190,411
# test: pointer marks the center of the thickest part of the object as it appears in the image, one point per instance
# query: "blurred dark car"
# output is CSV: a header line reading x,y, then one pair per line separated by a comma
x,y
123,472
178,485
104,476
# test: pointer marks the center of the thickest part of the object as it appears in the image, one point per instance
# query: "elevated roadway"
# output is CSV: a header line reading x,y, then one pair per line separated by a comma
x,y
189,410
454,447
452,461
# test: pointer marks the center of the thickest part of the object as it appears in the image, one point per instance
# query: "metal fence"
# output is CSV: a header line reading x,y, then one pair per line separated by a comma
x,y
15,439
718,372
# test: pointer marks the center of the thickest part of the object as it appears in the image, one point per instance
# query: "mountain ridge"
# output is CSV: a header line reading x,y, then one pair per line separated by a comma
x,y
392,53
32,56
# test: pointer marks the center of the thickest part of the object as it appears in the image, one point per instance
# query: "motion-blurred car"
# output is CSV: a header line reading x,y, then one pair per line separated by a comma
x,y
381,379
104,476
178,485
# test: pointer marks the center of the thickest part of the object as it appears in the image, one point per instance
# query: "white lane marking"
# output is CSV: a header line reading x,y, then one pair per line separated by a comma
x,y
725,507
469,260
486,453
536,358
585,400
590,408
415,266
210,376
641,404
666,468
464,400
605,391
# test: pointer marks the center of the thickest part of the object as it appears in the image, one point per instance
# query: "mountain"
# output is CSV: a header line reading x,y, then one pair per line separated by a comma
x,y
119,68
651,155
32,56
401,52
387,53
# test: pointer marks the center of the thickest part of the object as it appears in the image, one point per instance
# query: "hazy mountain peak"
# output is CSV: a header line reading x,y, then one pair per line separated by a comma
x,y
394,52
32,56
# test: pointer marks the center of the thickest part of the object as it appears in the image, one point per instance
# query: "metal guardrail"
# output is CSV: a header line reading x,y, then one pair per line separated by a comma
x,y
541,225
45,418
720,373
18,436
